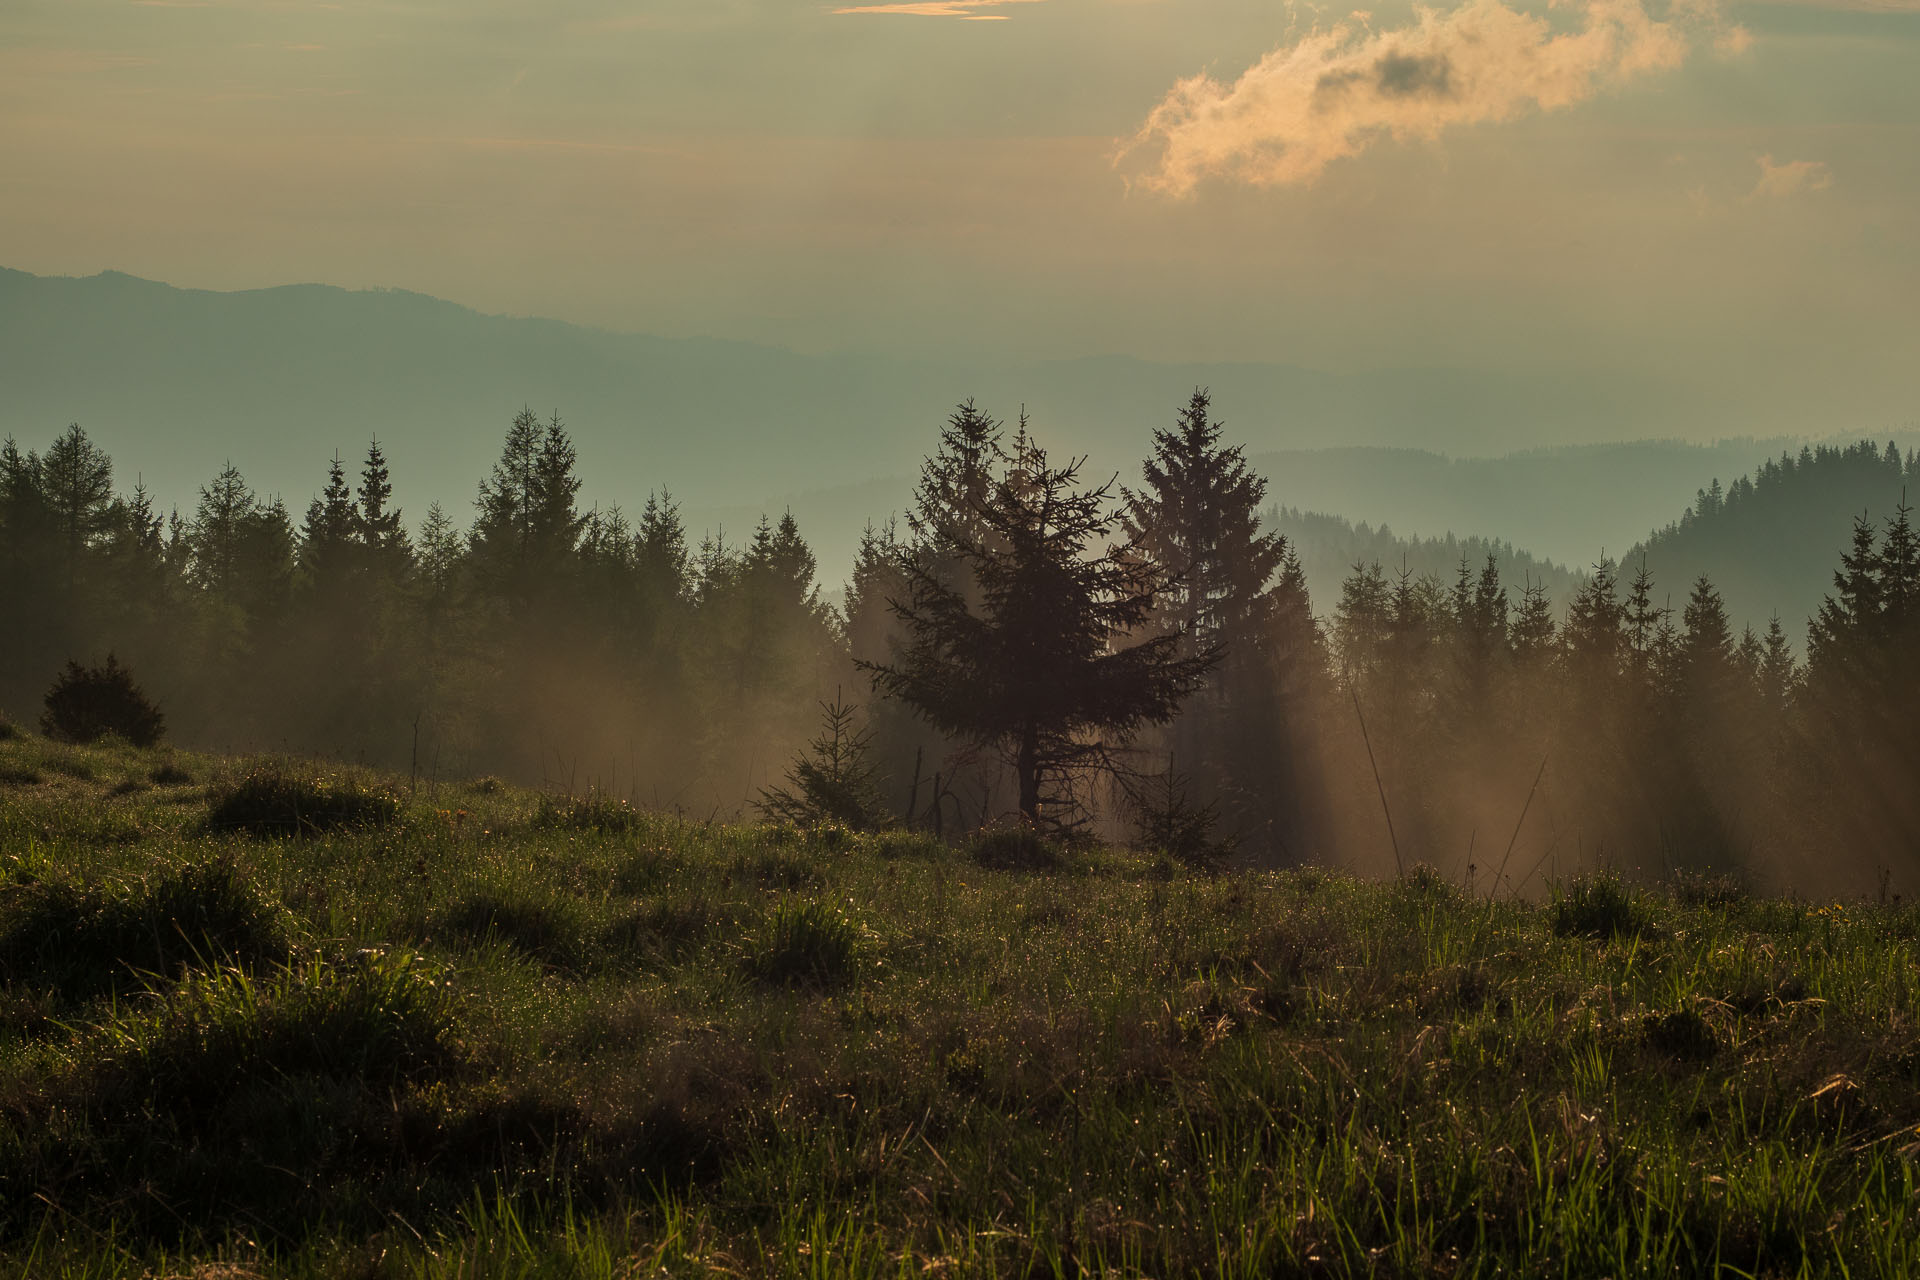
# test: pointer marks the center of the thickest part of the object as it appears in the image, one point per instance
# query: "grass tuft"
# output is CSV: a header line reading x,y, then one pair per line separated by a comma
x,y
596,811
804,943
1703,889
277,799
169,774
537,929
375,1016
1597,906
85,939
1015,848
666,931
1682,1034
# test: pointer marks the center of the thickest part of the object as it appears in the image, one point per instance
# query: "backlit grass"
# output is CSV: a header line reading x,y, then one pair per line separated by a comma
x,y
501,1034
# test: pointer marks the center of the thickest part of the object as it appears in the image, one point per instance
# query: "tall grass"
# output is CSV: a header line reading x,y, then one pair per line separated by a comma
x,y
487,1043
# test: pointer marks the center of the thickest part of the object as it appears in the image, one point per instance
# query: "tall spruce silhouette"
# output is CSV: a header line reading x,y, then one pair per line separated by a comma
x,y
1041,667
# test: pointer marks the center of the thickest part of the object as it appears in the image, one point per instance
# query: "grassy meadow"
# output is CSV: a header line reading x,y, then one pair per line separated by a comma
x,y
264,1018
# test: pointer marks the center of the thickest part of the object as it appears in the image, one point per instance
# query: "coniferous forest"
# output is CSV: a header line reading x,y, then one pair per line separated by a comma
x,y
1107,658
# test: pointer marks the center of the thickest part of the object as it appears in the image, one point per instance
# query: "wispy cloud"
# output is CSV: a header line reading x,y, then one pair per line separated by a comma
x,y
1790,178
1850,6
965,9
1337,92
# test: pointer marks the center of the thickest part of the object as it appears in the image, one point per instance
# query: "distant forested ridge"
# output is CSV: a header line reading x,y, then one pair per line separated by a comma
x,y
1767,538
166,378
1429,710
1329,546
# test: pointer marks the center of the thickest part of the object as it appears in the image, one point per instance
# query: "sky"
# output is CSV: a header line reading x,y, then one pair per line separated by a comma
x,y
1720,194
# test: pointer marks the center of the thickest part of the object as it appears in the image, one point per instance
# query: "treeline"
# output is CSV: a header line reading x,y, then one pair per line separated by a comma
x,y
584,647
1464,720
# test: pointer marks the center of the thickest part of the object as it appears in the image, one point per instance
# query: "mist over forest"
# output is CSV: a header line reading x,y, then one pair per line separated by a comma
x,y
610,650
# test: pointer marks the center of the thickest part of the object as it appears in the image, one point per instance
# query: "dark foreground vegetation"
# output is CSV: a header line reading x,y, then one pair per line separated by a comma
x,y
464,1029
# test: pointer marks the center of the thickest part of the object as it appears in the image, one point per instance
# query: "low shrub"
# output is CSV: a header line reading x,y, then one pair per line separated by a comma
x,y
88,703
804,943
272,799
169,774
1015,848
1171,821
86,939
1597,906
8,729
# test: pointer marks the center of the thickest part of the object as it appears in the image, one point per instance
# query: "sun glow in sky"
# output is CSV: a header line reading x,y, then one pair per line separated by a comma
x,y
1716,193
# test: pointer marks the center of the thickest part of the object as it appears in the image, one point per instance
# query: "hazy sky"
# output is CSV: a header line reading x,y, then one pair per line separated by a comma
x,y
1705,192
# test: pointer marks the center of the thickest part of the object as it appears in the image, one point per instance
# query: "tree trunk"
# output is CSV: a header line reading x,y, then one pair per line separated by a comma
x,y
1027,765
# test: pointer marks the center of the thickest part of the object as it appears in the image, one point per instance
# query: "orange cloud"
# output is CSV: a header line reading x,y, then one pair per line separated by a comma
x,y
1790,178
1337,92
941,9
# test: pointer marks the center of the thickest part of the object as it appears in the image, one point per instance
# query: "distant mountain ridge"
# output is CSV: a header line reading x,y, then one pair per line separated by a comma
x,y
174,382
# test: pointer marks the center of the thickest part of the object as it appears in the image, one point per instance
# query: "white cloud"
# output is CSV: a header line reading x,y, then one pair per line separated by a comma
x,y
1337,92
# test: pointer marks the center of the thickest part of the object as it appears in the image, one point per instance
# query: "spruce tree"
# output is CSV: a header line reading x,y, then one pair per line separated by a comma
x,y
1198,517
215,534
329,551
956,483
377,522
1040,668
76,479
1362,623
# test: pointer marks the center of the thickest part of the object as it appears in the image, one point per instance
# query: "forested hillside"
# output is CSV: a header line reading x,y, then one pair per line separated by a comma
x,y
1569,503
1767,538
1330,545
1028,644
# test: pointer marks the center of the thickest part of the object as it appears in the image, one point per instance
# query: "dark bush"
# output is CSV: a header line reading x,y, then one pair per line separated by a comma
x,y
1016,848
1597,906
273,800
169,774
82,940
803,943
8,729
88,703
